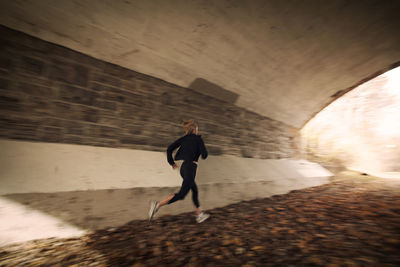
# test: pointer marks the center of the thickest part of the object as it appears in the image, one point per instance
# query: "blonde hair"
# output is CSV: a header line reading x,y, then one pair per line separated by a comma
x,y
189,126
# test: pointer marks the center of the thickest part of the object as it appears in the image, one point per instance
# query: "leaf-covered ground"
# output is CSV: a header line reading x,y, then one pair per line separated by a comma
x,y
349,222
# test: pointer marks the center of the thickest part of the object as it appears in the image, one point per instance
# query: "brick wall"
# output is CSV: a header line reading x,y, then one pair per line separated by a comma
x,y
49,93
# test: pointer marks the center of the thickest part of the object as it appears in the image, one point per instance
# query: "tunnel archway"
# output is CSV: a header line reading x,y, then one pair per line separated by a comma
x,y
91,94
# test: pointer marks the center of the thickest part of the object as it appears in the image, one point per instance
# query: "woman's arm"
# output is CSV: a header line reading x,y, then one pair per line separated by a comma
x,y
170,149
203,149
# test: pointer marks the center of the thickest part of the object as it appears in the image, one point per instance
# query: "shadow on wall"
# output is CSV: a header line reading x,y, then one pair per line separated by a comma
x,y
205,87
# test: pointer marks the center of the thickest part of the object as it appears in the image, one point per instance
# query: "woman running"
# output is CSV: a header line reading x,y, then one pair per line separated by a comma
x,y
191,146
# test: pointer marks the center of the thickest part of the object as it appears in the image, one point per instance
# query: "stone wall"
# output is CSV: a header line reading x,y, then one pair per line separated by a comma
x,y
49,93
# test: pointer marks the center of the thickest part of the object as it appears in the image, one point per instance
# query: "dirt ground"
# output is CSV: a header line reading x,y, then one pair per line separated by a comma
x,y
352,221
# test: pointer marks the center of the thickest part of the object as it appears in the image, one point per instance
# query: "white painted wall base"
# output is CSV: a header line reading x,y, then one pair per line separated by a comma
x,y
29,167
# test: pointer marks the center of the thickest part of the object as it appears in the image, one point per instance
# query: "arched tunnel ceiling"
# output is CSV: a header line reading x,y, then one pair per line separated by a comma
x,y
284,59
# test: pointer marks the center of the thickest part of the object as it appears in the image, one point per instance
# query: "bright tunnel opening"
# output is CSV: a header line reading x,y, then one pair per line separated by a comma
x,y
361,130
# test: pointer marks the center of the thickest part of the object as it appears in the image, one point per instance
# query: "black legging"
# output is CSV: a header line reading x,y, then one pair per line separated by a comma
x,y
188,173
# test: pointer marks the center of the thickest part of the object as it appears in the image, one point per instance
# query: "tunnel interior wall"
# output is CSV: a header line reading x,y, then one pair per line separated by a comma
x,y
84,140
49,93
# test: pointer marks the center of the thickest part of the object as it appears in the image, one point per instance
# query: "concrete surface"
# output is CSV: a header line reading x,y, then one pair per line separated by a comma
x,y
285,59
19,223
96,209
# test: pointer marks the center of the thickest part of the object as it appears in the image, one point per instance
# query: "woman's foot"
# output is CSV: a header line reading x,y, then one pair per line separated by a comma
x,y
202,217
153,209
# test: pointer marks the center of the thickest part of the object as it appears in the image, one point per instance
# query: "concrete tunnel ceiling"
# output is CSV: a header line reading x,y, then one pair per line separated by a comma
x,y
282,59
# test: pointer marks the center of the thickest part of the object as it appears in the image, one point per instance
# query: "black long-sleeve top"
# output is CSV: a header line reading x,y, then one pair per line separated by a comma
x,y
191,146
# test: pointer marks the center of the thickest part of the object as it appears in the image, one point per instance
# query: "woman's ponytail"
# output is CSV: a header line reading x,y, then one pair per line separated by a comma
x,y
189,126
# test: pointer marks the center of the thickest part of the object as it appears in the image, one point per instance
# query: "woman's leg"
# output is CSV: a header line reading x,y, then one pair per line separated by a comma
x,y
185,172
188,180
165,200
195,198
156,205
186,185
200,215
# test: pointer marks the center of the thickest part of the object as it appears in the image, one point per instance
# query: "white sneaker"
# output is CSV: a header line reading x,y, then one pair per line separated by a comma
x,y
153,209
202,217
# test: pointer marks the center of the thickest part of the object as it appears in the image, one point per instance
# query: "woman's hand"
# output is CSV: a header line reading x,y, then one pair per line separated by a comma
x,y
174,166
